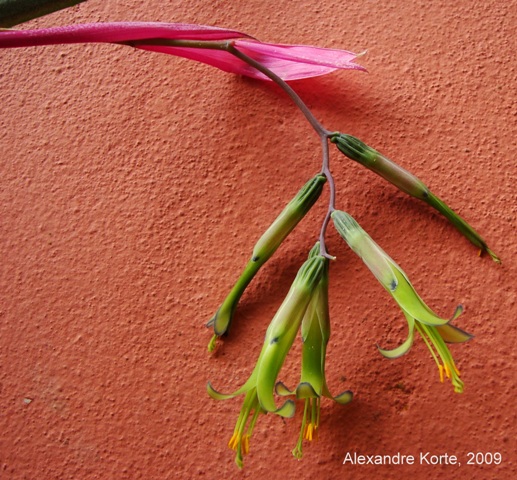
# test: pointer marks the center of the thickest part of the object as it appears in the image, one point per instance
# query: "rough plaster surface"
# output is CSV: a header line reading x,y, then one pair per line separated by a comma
x,y
133,187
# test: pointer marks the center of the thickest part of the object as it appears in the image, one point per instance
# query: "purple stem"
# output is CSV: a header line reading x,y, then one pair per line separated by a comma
x,y
323,133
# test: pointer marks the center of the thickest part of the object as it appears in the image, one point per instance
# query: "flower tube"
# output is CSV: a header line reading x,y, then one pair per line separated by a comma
x,y
434,330
315,333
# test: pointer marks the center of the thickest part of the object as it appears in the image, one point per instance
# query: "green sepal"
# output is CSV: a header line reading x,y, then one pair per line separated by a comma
x,y
411,303
274,353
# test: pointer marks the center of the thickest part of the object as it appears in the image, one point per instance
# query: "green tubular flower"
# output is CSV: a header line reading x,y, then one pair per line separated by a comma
x,y
434,330
268,243
315,333
373,160
280,335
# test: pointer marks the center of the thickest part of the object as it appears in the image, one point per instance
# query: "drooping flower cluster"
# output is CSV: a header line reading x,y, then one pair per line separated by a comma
x,y
305,308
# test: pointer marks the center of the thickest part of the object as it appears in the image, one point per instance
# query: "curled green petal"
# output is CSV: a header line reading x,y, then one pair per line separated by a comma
x,y
226,396
306,390
405,346
282,390
286,410
342,398
453,334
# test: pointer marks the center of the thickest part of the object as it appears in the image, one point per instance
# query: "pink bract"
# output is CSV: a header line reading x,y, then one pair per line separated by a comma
x,y
290,62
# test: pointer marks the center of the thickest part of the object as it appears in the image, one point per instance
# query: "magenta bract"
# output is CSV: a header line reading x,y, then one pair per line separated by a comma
x,y
290,62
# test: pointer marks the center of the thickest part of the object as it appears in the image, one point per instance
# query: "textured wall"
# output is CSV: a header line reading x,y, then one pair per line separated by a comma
x,y
133,186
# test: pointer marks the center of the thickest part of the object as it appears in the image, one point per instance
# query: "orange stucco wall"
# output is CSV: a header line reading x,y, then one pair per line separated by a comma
x,y
134,185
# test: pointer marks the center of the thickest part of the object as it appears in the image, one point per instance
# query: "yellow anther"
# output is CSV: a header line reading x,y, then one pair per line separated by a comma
x,y
447,371
234,441
309,430
456,370
440,369
245,444
212,343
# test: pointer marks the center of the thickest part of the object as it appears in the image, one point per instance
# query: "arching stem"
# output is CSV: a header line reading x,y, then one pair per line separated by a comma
x,y
323,133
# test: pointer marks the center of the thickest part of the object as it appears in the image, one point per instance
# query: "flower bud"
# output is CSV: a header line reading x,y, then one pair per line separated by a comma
x,y
268,243
295,210
357,150
407,182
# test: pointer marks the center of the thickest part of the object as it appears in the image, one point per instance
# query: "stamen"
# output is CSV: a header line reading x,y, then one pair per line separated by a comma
x,y
234,441
422,329
448,369
212,343
315,413
298,450
308,431
245,443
